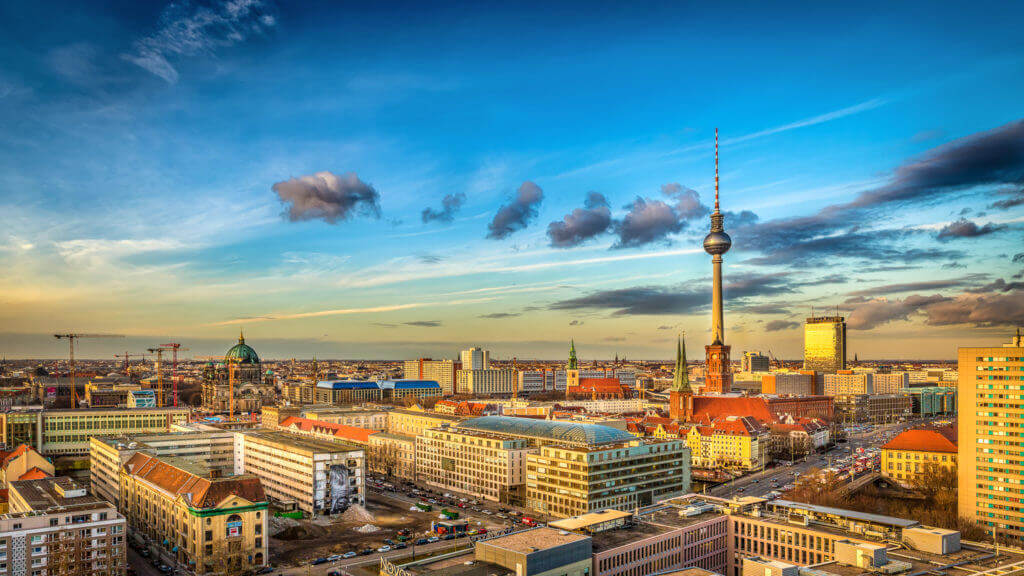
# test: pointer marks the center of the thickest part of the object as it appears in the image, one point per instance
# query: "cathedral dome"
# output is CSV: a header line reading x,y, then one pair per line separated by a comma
x,y
242,353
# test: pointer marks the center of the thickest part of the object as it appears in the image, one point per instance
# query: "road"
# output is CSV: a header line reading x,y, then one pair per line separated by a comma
x,y
760,483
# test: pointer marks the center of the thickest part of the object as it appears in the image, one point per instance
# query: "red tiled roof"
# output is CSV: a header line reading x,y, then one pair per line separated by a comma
x,y
925,440
23,448
328,428
198,492
713,407
34,474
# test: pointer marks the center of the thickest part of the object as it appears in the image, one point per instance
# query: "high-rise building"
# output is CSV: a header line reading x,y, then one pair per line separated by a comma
x,y
989,407
476,359
825,343
718,368
755,362
440,371
486,382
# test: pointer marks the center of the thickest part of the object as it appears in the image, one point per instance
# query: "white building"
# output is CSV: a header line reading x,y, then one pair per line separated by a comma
x,y
476,359
486,382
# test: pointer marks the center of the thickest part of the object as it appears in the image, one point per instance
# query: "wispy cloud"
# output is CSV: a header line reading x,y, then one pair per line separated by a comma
x,y
812,121
187,31
347,311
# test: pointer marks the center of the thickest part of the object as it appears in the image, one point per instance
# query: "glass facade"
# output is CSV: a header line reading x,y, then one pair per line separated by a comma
x,y
825,344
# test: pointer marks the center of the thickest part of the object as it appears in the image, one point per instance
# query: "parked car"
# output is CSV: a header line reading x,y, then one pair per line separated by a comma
x,y
366,551
319,561
421,541
384,548
334,557
400,545
349,554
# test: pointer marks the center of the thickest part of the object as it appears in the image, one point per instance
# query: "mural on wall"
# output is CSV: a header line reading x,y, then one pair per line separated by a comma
x,y
339,490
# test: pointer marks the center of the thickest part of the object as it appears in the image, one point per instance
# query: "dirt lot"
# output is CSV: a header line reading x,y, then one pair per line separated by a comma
x,y
297,541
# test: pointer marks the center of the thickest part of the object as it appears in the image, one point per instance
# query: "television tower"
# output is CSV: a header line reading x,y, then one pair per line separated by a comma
x,y
718,378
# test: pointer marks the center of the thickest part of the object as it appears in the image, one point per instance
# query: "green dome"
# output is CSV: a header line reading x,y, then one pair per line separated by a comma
x,y
242,353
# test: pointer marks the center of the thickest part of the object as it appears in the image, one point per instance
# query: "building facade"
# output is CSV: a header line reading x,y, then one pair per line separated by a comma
x,y
476,359
990,406
214,521
53,526
320,477
825,343
907,456
486,382
788,384
488,465
67,432
755,362
441,371
847,382
242,366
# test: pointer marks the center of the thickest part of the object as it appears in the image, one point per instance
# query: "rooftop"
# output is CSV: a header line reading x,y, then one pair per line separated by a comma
x,y
529,541
925,440
569,432
300,442
851,514
191,481
44,495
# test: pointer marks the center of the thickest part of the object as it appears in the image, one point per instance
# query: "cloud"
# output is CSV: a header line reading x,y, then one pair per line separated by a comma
x,y
582,224
650,220
820,119
576,323
327,196
878,311
919,286
964,228
424,323
187,30
517,214
979,310
665,327
953,265
1018,258
450,206
652,300
993,158
500,315
777,325
1016,199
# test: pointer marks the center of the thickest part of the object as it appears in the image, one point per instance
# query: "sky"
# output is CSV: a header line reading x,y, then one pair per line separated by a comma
x,y
395,180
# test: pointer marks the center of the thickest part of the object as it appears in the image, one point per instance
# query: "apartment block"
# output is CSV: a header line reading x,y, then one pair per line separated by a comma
x,y
53,526
489,465
321,477
441,371
847,382
486,382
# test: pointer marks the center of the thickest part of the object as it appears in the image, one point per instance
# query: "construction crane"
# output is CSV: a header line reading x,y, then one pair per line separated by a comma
x,y
127,365
71,337
232,365
174,347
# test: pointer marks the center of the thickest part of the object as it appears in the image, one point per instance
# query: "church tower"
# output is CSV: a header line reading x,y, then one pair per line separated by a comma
x,y
680,397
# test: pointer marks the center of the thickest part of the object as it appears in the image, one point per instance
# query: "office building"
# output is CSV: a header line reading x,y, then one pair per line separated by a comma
x,y
214,521
990,407
392,455
469,461
359,417
847,382
932,400
67,432
891,383
53,526
476,359
755,362
788,384
486,382
398,389
825,343
907,455
107,454
321,477
141,399
873,408
441,371
539,552
413,421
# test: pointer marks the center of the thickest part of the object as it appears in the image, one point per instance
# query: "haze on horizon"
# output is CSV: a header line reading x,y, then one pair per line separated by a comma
x,y
402,180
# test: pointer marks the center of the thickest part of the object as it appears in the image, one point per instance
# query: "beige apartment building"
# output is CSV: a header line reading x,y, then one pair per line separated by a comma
x,y
213,520
489,465
107,454
413,421
849,383
486,382
370,418
320,476
55,527
990,458
392,455
441,371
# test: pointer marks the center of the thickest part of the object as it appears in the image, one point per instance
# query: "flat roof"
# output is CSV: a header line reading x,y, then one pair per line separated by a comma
x,y
43,495
853,514
529,541
590,519
301,442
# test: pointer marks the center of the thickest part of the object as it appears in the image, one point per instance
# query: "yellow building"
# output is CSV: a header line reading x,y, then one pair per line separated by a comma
x,y
990,407
392,455
474,462
906,456
214,521
737,442
825,343
413,421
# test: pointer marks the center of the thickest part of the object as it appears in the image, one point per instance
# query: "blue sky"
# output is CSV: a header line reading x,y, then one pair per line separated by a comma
x,y
159,175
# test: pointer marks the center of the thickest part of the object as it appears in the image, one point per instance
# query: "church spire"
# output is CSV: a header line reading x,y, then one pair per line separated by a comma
x,y
572,355
681,380
241,336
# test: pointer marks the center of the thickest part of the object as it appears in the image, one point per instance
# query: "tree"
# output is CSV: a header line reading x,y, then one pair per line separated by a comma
x,y
384,458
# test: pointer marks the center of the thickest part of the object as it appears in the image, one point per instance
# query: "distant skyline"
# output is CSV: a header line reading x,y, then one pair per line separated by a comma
x,y
407,180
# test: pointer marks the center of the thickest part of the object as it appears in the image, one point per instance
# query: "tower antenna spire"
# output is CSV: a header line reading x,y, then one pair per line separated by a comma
x,y
716,169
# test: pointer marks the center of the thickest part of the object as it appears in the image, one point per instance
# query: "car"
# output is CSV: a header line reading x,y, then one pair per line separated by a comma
x,y
366,551
349,554
334,557
488,512
421,541
165,568
502,516
482,531
400,545
389,541
433,539
384,548
461,505
473,532
319,561
448,536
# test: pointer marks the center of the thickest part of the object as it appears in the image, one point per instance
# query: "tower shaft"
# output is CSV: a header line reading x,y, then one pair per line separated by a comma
x,y
717,315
